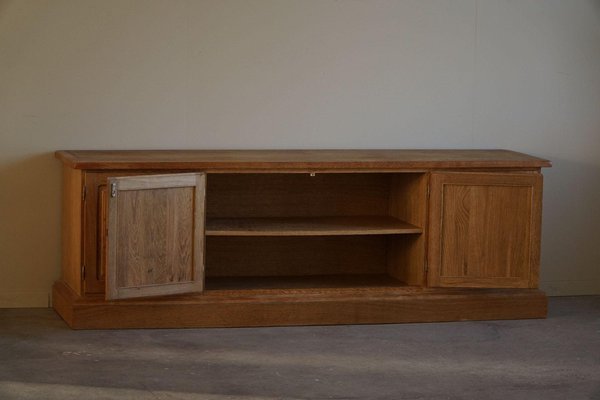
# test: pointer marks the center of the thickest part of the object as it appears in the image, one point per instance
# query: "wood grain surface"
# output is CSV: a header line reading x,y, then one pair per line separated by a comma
x,y
155,234
309,226
156,241
483,227
302,282
408,202
279,307
295,256
95,228
102,233
209,160
296,195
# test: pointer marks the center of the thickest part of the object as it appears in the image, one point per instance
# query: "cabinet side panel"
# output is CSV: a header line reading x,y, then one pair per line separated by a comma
x,y
536,230
72,228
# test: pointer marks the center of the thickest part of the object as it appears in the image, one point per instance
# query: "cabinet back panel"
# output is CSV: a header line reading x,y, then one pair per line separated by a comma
x,y
295,256
297,195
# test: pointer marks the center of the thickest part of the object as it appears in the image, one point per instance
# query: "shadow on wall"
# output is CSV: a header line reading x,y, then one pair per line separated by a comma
x,y
570,247
4,4
30,229
596,4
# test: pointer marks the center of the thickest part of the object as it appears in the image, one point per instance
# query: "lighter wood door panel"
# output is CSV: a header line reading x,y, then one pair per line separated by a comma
x,y
101,233
155,235
485,230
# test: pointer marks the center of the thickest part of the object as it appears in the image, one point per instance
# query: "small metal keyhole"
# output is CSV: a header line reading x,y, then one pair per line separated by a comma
x,y
313,174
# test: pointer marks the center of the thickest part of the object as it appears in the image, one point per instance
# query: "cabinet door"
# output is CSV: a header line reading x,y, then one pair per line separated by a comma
x,y
155,235
484,230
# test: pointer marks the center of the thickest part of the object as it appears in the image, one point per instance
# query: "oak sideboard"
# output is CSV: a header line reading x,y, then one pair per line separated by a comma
x,y
215,238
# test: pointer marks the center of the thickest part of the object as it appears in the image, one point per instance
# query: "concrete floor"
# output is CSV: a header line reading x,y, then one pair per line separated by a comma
x,y
556,358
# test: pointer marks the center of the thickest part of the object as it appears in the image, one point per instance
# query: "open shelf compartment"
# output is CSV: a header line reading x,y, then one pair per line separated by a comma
x,y
305,231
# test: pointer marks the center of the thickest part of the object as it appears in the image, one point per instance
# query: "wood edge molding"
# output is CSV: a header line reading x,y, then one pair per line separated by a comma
x,y
111,290
65,156
199,234
303,160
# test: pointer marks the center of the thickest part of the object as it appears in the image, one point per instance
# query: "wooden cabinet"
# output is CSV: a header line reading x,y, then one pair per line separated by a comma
x,y
257,238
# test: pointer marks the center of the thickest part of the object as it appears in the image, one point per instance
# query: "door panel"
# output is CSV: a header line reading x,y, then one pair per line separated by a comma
x,y
484,230
155,235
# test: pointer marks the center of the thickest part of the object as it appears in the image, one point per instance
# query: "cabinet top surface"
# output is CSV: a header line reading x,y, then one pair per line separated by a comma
x,y
297,159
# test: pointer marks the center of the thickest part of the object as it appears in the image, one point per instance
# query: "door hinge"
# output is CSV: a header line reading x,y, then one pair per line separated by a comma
x,y
83,272
84,193
113,190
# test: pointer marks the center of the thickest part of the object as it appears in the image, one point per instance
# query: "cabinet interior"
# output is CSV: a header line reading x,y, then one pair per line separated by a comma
x,y
301,230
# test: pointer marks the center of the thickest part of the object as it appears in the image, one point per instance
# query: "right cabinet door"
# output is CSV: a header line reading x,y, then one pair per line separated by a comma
x,y
484,230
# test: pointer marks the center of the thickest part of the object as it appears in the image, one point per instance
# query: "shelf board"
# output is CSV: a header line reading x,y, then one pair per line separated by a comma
x,y
338,281
309,226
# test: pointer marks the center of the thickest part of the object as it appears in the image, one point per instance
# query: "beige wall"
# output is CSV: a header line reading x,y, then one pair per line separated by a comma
x,y
117,74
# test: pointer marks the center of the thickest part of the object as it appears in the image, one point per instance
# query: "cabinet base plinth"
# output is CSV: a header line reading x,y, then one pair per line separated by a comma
x,y
244,308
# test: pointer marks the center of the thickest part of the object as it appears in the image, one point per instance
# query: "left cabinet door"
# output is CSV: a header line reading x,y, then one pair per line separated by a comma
x,y
155,242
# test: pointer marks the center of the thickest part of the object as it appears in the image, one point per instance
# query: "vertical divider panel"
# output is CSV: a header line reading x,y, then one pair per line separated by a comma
x,y
408,202
199,238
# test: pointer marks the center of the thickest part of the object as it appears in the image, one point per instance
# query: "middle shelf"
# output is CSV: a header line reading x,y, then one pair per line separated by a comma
x,y
309,226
